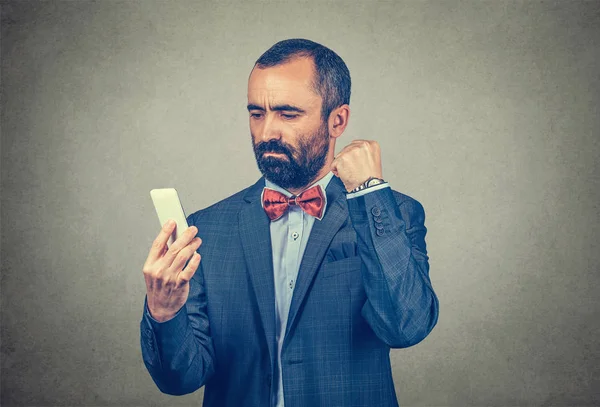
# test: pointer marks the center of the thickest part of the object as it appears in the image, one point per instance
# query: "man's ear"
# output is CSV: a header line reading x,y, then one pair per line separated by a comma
x,y
338,120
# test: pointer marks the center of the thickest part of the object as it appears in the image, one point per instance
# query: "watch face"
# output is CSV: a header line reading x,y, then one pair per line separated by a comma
x,y
374,181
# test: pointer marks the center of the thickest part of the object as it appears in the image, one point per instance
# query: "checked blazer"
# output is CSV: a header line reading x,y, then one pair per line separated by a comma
x,y
363,287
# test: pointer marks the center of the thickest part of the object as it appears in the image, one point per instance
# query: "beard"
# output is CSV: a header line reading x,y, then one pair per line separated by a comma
x,y
289,172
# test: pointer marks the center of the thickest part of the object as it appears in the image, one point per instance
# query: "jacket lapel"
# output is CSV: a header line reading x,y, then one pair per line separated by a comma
x,y
256,241
320,237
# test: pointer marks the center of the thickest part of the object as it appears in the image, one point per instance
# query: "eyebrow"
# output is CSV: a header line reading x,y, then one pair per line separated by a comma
x,y
277,108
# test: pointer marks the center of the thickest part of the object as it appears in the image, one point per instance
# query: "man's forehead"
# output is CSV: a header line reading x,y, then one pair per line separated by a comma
x,y
294,77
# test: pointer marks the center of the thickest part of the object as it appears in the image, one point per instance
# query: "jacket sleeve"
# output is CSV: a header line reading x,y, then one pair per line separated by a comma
x,y
401,305
178,353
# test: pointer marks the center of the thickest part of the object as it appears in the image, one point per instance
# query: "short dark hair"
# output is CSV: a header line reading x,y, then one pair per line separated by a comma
x,y
332,81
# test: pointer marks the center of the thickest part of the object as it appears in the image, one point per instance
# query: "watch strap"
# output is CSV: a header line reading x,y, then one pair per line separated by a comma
x,y
371,182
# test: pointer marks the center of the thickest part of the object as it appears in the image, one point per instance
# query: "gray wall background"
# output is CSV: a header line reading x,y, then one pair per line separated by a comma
x,y
487,112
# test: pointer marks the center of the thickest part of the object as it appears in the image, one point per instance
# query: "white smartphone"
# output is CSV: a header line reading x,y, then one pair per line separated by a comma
x,y
168,206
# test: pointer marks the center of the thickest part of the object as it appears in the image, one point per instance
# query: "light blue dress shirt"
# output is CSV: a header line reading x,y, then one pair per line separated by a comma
x,y
289,236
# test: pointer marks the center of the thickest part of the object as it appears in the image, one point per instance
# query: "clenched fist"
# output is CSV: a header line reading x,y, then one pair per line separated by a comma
x,y
167,282
357,162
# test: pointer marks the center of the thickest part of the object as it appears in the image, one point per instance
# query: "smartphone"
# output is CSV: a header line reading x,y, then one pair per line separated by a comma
x,y
168,206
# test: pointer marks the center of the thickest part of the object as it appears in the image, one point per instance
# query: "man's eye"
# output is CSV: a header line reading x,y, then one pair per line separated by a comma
x,y
289,116
256,115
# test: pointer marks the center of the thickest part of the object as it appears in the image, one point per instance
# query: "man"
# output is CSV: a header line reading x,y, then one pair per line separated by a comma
x,y
309,276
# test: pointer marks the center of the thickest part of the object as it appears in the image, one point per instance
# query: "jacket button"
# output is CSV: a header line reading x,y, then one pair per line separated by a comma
x,y
148,333
380,232
379,226
377,219
375,211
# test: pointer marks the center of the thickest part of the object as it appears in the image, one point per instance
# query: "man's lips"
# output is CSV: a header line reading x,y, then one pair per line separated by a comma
x,y
272,153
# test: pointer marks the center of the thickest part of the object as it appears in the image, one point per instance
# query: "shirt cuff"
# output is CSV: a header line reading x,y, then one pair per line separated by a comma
x,y
367,190
153,321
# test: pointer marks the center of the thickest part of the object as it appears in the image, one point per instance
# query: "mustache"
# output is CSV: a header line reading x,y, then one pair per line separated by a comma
x,y
273,146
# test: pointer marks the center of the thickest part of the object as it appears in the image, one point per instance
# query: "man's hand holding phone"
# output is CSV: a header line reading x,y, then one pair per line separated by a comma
x,y
167,281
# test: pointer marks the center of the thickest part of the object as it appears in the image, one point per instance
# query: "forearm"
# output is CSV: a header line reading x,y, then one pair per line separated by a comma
x,y
401,305
178,353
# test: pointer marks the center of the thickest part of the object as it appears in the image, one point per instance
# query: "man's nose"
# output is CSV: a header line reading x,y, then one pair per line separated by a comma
x,y
270,129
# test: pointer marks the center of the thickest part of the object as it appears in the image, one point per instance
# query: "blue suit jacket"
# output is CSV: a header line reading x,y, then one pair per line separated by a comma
x,y
363,288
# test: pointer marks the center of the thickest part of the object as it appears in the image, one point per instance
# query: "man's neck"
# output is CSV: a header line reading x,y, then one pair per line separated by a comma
x,y
296,191
320,175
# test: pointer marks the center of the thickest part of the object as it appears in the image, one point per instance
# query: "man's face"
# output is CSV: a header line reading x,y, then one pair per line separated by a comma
x,y
290,140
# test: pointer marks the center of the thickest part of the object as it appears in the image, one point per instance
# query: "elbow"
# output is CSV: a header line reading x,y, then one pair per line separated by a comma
x,y
404,341
176,382
175,391
175,385
409,331
400,340
416,329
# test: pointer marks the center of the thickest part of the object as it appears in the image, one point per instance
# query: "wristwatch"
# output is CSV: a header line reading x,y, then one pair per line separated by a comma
x,y
371,182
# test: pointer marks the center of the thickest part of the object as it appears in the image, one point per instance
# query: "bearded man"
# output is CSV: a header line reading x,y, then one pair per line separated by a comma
x,y
308,277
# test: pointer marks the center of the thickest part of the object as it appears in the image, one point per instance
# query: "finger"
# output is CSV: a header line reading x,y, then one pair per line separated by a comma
x,y
188,272
160,242
333,167
180,243
183,256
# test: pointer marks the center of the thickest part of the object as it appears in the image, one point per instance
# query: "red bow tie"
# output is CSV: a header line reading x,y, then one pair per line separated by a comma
x,y
311,201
